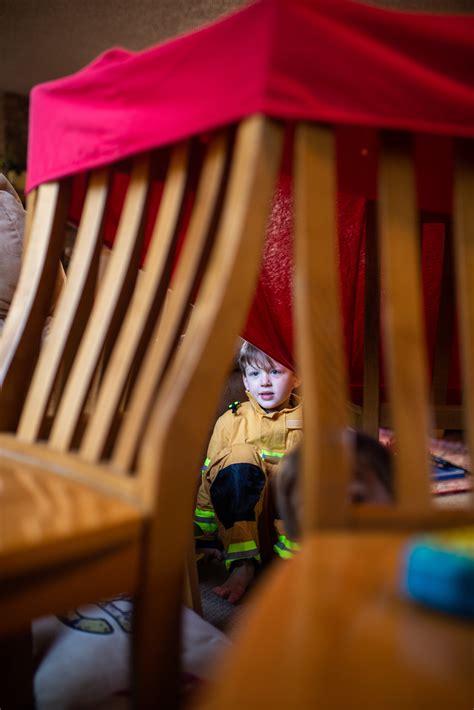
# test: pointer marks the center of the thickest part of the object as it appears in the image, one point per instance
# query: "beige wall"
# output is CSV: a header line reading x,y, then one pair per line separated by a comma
x,y
44,39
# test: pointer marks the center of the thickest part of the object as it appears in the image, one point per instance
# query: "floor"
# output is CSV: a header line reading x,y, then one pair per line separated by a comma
x,y
217,611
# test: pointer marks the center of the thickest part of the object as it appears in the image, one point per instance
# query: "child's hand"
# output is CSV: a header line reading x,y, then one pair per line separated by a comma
x,y
211,553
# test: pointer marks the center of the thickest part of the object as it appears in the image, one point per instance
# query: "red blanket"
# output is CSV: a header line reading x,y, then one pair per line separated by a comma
x,y
357,67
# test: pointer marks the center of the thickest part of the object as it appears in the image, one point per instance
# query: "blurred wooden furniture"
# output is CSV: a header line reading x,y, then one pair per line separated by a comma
x,y
374,412
331,628
345,638
94,503
320,347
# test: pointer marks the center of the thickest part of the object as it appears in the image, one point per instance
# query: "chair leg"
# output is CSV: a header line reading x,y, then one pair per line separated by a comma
x,y
192,594
16,675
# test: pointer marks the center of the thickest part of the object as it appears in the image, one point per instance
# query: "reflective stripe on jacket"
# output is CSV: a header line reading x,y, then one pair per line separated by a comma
x,y
205,520
285,548
241,551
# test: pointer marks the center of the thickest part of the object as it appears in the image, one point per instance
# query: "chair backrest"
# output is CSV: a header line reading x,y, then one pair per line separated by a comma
x,y
327,455
106,327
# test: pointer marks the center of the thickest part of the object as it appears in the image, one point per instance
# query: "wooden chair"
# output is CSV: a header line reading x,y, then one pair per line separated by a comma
x,y
95,502
330,629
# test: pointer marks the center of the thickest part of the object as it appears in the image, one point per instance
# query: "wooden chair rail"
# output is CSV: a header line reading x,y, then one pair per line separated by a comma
x,y
319,337
464,260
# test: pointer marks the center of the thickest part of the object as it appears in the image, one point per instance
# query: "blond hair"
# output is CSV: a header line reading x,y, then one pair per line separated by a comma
x,y
251,356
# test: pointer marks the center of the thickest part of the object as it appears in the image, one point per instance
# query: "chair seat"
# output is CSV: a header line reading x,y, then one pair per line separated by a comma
x,y
346,639
50,517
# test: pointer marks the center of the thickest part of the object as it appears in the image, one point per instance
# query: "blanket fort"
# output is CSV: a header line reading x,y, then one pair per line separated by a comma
x,y
357,67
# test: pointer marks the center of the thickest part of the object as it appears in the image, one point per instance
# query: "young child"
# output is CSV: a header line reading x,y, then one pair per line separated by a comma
x,y
248,442
371,481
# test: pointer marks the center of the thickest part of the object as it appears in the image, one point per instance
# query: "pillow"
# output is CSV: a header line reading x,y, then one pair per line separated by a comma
x,y
12,222
83,657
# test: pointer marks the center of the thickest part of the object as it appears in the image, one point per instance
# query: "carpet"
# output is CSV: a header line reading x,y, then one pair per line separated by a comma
x,y
217,611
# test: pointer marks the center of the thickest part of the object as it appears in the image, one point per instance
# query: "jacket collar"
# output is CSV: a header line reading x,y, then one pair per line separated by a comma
x,y
295,402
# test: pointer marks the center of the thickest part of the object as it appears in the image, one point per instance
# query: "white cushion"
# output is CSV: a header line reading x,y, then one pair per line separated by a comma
x,y
84,660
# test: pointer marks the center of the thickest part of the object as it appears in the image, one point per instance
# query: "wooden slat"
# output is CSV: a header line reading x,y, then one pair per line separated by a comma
x,y
30,210
108,309
72,309
464,258
447,416
175,438
403,331
377,517
319,330
146,303
445,330
169,329
192,592
371,406
21,337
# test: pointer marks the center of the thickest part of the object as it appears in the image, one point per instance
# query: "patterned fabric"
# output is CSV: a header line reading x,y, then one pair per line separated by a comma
x,y
83,658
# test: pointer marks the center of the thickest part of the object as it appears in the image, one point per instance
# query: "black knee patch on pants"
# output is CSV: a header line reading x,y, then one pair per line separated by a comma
x,y
235,492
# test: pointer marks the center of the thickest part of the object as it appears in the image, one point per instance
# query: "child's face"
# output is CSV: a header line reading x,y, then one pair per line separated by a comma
x,y
271,385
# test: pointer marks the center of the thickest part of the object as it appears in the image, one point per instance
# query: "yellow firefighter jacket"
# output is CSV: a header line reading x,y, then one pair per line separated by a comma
x,y
245,449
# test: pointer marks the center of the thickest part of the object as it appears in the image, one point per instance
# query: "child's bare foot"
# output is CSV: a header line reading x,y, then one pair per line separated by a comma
x,y
236,585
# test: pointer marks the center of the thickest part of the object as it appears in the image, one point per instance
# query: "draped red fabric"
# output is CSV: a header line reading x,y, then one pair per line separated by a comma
x,y
357,67
269,325
337,61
